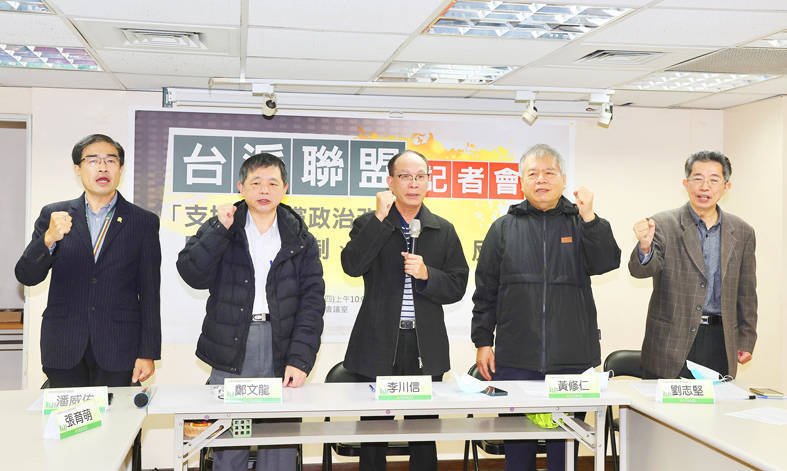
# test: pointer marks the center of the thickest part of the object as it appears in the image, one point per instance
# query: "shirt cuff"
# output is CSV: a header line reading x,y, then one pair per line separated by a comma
x,y
644,259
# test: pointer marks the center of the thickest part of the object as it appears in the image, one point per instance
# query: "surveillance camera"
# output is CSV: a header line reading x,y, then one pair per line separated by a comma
x,y
605,114
531,112
269,108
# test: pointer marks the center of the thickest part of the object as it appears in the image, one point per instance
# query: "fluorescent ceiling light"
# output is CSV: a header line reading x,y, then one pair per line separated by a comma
x,y
778,40
27,6
43,57
442,73
516,20
694,82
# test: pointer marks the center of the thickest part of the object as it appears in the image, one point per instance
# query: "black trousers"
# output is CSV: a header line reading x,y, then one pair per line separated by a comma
x,y
708,349
87,373
423,455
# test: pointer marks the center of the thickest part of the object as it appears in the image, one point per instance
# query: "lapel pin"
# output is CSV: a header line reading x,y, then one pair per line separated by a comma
x,y
120,219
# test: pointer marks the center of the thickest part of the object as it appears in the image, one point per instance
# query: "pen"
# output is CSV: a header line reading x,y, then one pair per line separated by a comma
x,y
371,388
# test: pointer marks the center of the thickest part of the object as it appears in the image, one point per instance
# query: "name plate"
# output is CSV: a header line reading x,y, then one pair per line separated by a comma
x,y
403,388
251,390
63,398
77,419
691,391
572,386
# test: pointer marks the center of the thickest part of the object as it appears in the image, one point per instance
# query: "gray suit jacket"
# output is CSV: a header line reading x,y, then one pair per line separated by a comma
x,y
679,281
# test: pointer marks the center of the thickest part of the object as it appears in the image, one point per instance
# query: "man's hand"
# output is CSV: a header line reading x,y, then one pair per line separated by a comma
x,y
293,377
143,369
226,214
59,226
584,199
485,361
414,266
743,357
644,230
385,199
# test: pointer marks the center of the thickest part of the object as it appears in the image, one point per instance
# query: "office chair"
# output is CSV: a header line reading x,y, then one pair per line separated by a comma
x,y
490,447
621,363
339,374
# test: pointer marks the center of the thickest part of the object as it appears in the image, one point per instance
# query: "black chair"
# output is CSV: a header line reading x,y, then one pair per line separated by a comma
x,y
490,447
621,363
339,374
206,458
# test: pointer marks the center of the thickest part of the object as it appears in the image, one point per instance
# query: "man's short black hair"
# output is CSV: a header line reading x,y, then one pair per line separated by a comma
x,y
406,151
261,160
709,156
76,152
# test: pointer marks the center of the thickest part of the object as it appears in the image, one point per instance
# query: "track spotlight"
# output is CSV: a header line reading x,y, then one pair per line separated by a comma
x,y
265,90
531,112
605,114
269,107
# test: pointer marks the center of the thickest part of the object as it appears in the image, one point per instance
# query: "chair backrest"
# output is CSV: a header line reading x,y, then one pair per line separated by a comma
x,y
340,374
624,363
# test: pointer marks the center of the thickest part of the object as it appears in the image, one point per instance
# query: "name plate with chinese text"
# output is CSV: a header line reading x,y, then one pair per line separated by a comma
x,y
572,386
77,419
63,398
690,391
251,390
403,388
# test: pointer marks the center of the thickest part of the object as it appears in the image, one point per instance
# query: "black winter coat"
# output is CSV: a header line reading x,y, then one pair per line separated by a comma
x,y
374,252
218,259
533,287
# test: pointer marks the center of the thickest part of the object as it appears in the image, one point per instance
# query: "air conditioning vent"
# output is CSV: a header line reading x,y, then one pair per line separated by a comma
x,y
162,39
603,56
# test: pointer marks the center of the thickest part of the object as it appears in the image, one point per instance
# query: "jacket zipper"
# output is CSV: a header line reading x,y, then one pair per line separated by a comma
x,y
544,299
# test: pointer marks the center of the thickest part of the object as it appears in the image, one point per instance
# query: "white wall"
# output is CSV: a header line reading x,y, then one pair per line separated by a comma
x,y
634,168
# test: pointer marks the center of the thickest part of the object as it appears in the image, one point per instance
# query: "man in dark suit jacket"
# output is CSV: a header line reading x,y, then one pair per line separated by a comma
x,y
704,302
102,324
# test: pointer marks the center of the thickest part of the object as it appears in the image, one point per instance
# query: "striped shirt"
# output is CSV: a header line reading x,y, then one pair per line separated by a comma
x,y
408,307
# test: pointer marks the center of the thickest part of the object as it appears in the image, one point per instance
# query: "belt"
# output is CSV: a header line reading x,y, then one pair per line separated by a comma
x,y
407,324
262,317
710,319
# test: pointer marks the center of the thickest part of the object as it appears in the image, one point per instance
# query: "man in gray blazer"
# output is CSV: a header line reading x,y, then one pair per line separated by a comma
x,y
704,302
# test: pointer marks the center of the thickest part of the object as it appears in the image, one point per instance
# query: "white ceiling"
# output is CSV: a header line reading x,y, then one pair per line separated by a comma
x,y
355,40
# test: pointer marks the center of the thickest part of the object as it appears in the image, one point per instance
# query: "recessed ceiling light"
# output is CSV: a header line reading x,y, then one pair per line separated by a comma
x,y
27,6
778,40
44,57
516,20
694,82
442,73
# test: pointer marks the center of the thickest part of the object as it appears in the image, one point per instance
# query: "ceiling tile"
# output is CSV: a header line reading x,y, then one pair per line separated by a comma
x,y
36,29
720,101
370,16
298,69
654,99
568,77
171,64
157,82
298,44
692,28
198,12
14,77
569,55
474,50
726,4
777,86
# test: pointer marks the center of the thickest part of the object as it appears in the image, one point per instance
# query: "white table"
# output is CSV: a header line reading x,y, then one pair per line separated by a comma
x,y
661,436
100,449
195,402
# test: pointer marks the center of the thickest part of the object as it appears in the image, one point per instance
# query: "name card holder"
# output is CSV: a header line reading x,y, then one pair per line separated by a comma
x,y
572,386
252,390
686,391
77,419
64,398
403,388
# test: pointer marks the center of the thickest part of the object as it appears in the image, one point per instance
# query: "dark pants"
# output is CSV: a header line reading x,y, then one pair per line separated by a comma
x,y
87,373
423,455
708,350
521,454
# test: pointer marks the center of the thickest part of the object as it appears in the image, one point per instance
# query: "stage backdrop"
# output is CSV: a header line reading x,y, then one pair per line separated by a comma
x,y
186,164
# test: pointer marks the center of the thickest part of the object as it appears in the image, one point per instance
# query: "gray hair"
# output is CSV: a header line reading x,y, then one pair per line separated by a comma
x,y
709,156
542,150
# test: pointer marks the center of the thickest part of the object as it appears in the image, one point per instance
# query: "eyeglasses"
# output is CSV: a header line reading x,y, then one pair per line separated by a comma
x,y
407,178
92,160
548,174
713,182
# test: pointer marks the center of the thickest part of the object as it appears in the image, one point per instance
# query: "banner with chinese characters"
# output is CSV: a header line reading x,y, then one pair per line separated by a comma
x,y
186,165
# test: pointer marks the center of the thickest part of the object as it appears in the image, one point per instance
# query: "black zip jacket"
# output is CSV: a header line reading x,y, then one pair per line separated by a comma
x,y
374,252
533,287
218,259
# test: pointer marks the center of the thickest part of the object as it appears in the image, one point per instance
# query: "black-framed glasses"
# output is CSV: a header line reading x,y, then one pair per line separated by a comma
x,y
407,178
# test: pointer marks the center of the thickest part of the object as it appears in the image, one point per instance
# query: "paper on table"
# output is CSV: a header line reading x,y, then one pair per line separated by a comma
x,y
729,392
534,388
647,389
38,404
768,415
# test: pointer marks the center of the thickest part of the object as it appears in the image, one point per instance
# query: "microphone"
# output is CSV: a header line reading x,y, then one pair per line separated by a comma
x,y
415,231
142,398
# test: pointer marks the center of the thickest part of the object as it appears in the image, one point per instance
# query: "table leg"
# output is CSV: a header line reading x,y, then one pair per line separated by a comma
x,y
601,451
623,449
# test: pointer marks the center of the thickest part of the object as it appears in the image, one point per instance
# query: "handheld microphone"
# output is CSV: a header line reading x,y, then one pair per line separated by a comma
x,y
415,231
142,398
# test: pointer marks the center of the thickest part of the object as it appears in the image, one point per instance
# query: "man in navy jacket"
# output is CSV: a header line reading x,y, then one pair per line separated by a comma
x,y
267,295
102,325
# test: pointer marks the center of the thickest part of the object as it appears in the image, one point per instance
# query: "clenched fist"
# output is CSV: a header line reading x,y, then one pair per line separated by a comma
x,y
385,199
59,226
584,199
644,230
226,214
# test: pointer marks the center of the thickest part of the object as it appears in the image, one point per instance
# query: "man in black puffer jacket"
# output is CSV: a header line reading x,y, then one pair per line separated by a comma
x,y
533,288
267,294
